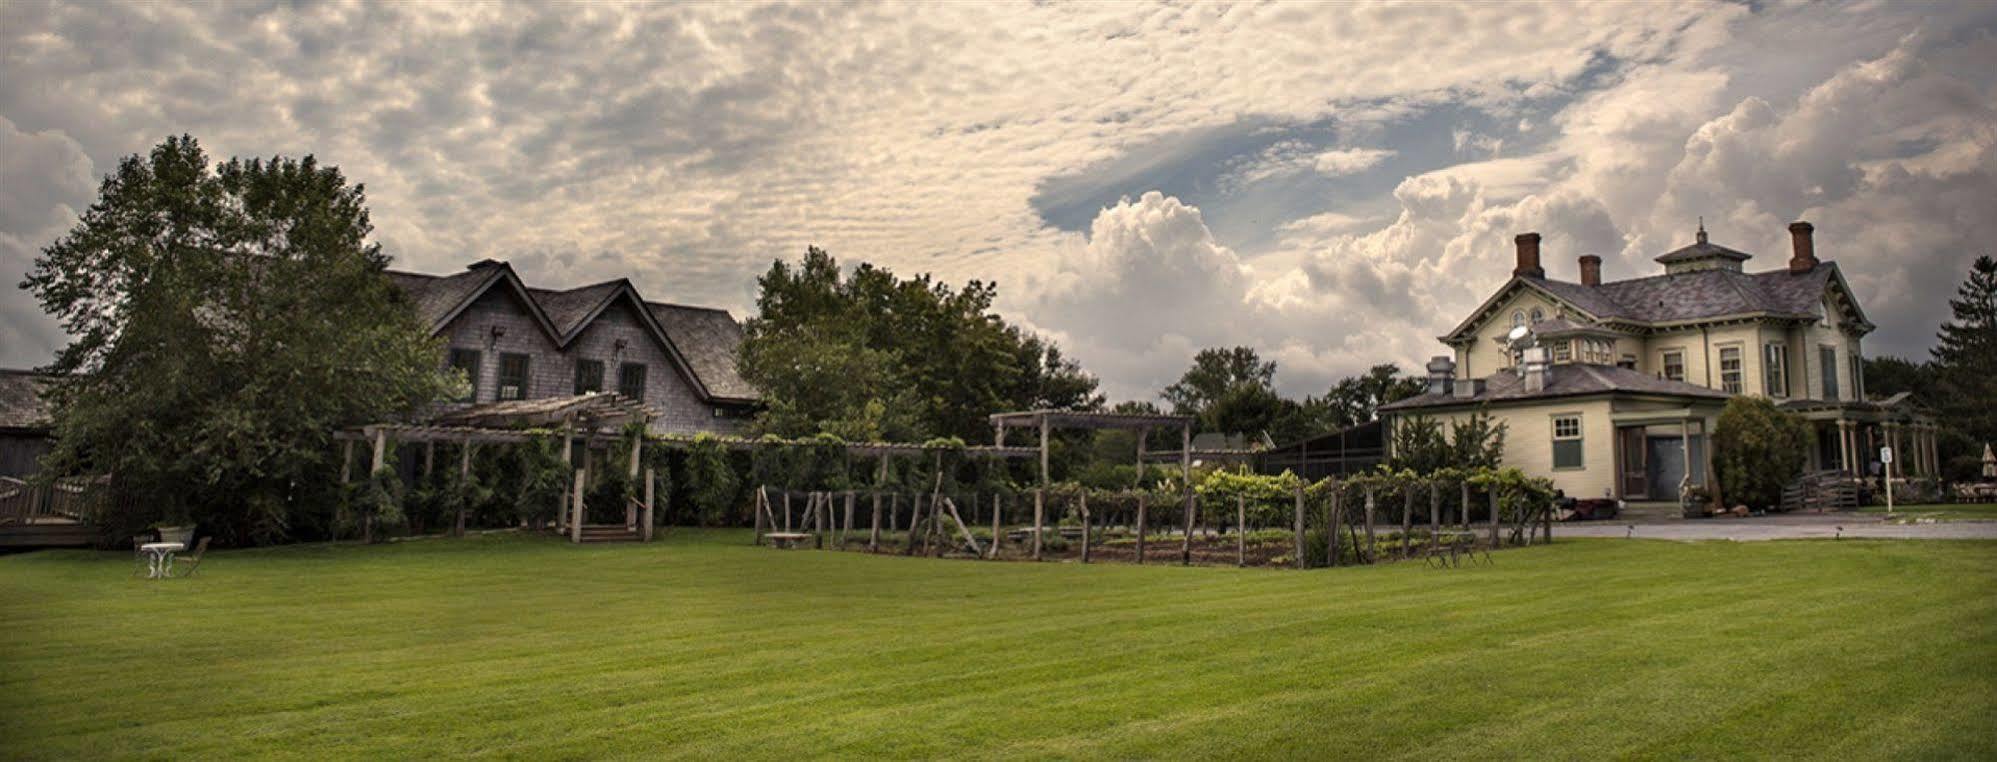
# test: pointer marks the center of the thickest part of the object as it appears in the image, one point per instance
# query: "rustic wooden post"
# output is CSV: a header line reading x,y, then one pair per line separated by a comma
x,y
1186,473
429,459
1300,529
1434,514
380,453
1141,529
464,485
1372,540
648,521
963,529
568,463
347,461
786,510
914,521
1084,501
762,509
575,523
817,510
997,508
894,511
874,530
1463,507
1240,530
1039,519
631,511
1407,517
1494,516
848,525
1337,516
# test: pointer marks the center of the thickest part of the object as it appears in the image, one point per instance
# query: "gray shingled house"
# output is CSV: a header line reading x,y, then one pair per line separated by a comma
x,y
517,342
1611,387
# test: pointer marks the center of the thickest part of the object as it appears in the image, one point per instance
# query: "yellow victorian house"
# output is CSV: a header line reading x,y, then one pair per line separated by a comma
x,y
1611,388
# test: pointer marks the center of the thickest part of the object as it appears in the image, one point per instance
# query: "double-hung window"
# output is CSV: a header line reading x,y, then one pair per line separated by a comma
x,y
1674,365
1730,370
631,380
1567,442
1775,369
1828,364
466,361
512,376
589,376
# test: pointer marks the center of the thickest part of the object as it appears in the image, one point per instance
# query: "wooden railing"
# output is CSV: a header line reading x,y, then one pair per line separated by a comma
x,y
79,499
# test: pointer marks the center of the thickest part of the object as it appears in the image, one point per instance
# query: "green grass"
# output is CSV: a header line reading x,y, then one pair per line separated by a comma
x,y
1941,511
704,647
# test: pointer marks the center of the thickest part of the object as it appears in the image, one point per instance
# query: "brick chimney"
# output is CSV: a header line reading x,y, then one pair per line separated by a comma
x,y
1528,265
1591,270
1805,258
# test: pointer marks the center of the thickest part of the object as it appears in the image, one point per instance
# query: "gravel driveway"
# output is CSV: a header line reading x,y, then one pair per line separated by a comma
x,y
1793,527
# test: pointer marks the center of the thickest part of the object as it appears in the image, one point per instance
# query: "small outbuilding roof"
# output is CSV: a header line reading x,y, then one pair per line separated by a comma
x,y
21,403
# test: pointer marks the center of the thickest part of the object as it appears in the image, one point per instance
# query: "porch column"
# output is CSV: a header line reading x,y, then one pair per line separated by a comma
x,y
1706,458
1685,447
1893,442
1933,452
1847,446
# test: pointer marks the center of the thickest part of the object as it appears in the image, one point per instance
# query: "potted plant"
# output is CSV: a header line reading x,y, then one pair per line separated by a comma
x,y
1692,499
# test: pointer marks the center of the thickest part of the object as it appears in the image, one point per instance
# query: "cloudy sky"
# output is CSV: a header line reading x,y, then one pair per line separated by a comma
x,y
1334,185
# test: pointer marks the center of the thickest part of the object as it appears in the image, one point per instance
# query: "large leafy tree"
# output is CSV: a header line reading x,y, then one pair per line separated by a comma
x,y
869,355
1357,399
1217,372
1965,356
224,321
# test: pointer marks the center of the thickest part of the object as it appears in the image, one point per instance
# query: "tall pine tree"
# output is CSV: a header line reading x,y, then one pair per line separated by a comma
x,y
1966,357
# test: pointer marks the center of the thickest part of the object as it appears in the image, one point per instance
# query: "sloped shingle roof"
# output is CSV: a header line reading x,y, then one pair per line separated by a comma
x,y
1698,295
706,338
1563,381
709,339
21,405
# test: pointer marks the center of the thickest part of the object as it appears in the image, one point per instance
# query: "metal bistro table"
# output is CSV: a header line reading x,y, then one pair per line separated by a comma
x,y
159,557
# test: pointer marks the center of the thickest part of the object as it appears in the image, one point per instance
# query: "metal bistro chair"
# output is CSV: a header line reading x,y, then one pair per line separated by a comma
x,y
194,561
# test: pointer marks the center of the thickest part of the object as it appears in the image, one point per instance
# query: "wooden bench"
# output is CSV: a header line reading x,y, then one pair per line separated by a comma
x,y
786,540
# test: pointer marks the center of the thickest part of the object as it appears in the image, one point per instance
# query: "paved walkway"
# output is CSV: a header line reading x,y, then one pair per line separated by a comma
x,y
1790,527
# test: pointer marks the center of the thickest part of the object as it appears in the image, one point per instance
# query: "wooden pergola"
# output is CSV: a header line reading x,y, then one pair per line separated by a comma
x,y
596,417
1142,423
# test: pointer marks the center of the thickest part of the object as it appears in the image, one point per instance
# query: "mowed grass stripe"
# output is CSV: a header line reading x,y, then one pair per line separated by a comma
x,y
702,646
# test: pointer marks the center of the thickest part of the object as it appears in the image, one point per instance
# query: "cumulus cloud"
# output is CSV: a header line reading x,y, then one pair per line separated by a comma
x,y
687,146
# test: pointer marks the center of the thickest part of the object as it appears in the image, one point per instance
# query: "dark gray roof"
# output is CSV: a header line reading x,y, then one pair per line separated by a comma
x,y
706,338
709,340
1566,380
21,404
1698,295
1703,250
568,309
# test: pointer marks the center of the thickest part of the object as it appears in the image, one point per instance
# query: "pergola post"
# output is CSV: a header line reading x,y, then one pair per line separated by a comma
x,y
631,511
1186,472
568,461
464,484
575,522
1039,495
645,525
880,479
374,465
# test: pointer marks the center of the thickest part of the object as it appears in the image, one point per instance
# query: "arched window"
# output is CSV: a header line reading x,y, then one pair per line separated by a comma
x,y
1518,318
1537,315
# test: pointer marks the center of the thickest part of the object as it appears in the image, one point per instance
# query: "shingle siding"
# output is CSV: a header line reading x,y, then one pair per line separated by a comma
x,y
551,370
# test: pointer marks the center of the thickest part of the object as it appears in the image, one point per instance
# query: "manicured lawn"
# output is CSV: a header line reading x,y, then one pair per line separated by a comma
x,y
1942,511
704,647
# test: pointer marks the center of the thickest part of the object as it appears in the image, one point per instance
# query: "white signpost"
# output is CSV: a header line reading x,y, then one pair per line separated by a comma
x,y
1886,459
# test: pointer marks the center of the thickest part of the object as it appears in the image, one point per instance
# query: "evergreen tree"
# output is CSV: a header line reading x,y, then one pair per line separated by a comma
x,y
1966,356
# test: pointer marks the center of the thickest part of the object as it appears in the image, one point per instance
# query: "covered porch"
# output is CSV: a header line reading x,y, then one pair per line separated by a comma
x,y
1849,434
1655,451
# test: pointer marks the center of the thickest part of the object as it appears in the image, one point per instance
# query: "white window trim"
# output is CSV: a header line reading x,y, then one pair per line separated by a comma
x,y
1664,363
1775,362
1580,435
1740,369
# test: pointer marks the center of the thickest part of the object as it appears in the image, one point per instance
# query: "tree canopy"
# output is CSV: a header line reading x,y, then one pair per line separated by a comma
x,y
1966,355
870,355
1232,390
224,322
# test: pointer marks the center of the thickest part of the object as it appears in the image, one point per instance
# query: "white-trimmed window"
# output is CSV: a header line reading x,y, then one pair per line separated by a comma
x,y
1775,369
1730,373
1563,351
1674,365
1537,315
1627,363
1828,369
1567,449
1518,318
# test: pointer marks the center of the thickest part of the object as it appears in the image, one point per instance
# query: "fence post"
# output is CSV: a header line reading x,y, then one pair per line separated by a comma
x,y
1336,515
1434,515
1186,544
1039,519
1084,501
1240,530
1300,528
1407,517
1372,541
575,525
874,531
997,508
650,491
1140,528
1495,539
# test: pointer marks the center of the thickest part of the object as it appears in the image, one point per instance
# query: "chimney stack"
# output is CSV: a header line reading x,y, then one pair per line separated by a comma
x,y
1441,374
1528,265
1591,270
1805,258
1535,368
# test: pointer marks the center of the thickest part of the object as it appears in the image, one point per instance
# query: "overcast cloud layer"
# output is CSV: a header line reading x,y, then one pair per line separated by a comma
x,y
1333,185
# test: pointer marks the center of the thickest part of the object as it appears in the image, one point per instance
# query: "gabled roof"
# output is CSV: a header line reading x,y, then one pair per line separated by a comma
x,y
1675,298
1702,250
21,403
1564,380
700,344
